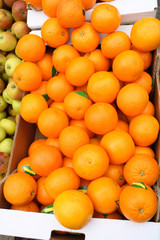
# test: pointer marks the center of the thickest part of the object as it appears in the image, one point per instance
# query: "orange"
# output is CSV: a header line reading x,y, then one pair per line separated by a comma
x,y
19,188
115,43
125,185
81,124
98,115
88,3
116,173
122,116
53,33
34,4
52,121
149,109
105,18
71,138
147,57
94,141
70,13
122,125
60,180
50,7
76,104
85,38
52,142
31,48
142,37
84,182
62,56
58,88
114,215
42,89
132,99
78,207
128,66
67,162
145,80
59,105
45,159
144,130
103,87
141,168
42,196
101,63
145,150
24,79
104,192
138,202
119,146
31,106
82,88
79,70
29,207
45,64
90,161
24,166
35,144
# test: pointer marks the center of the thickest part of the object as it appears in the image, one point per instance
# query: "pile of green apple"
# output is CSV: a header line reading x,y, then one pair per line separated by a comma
x,y
13,16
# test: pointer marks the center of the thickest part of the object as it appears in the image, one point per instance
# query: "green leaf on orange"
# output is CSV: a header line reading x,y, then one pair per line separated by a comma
x,y
54,71
46,97
83,94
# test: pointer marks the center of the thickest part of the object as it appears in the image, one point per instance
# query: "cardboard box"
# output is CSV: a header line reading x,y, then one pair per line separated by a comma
x,y
44,226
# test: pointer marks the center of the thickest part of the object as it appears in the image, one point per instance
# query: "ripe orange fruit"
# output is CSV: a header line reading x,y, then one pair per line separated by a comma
x,y
124,66
95,141
81,124
62,56
101,63
114,215
105,18
119,146
145,150
42,196
50,7
26,81
42,89
29,207
115,43
79,70
141,36
147,57
59,105
144,130
98,191
19,188
45,159
90,161
81,206
88,3
98,115
70,13
52,142
52,121
132,99
31,48
58,87
34,4
85,38
145,80
71,138
116,173
35,144
138,202
76,104
54,184
122,125
149,109
103,87
53,33
141,168
67,162
31,106
45,64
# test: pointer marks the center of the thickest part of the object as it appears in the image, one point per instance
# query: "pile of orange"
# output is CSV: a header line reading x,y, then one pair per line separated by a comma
x,y
90,101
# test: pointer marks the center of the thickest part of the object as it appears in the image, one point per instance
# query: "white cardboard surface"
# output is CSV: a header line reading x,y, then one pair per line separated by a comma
x,y
40,226
130,12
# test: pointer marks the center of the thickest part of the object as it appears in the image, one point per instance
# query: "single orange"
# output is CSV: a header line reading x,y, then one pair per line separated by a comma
x,y
88,3
41,90
145,80
145,150
116,173
42,196
122,125
59,105
29,207
45,64
81,123
34,4
50,7
52,142
147,57
114,215
35,144
67,162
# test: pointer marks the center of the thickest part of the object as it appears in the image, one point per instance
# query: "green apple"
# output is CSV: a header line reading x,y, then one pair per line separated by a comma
x,y
13,91
2,85
2,63
6,19
5,77
6,97
10,65
16,105
20,28
3,115
11,118
2,134
8,125
10,111
6,145
3,104
7,41
11,55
